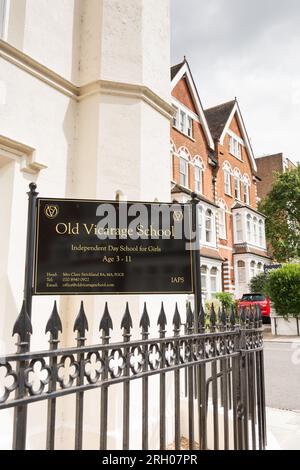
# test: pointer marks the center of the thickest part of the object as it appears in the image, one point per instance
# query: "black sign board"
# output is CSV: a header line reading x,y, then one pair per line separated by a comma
x,y
70,258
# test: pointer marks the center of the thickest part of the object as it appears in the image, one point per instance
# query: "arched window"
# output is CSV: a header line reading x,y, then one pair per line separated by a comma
x,y
246,189
252,269
255,229
249,225
222,220
259,268
237,184
184,172
199,168
227,178
238,228
208,226
213,281
241,271
261,233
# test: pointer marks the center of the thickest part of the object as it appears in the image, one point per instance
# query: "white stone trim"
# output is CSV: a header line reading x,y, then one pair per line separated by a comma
x,y
184,70
23,153
78,93
236,110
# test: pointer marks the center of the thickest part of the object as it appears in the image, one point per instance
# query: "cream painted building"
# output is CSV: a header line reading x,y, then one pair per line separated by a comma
x,y
85,113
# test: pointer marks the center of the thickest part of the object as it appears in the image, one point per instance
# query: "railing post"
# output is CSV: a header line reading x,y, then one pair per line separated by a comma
x,y
177,325
80,326
20,413
162,322
53,327
145,324
190,377
105,326
23,329
126,325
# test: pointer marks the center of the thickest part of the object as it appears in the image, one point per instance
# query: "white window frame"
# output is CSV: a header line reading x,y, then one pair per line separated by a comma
x,y
253,265
189,126
246,189
238,227
186,173
261,237
182,121
237,187
213,274
255,231
199,182
4,4
222,223
176,118
227,181
208,231
235,147
241,271
249,223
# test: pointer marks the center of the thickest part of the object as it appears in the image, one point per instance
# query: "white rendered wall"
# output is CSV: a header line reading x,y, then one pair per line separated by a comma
x,y
92,147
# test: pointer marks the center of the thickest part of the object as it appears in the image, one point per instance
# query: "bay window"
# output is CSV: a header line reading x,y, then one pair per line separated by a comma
x,y
252,269
261,233
241,271
239,228
213,281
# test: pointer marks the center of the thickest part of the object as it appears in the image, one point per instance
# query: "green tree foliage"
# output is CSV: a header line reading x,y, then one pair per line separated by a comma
x,y
283,288
225,298
258,283
282,208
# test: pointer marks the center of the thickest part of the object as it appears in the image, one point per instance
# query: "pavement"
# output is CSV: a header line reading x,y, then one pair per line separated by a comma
x,y
282,382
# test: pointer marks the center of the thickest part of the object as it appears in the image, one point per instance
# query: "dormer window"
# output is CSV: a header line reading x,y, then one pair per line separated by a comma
x,y
183,122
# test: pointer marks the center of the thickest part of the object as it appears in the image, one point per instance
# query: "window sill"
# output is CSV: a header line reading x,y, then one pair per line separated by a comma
x,y
183,133
239,159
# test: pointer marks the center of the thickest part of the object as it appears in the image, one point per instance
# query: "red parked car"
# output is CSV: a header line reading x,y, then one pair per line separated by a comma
x,y
262,300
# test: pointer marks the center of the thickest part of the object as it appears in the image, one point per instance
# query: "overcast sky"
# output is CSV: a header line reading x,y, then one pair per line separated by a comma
x,y
249,49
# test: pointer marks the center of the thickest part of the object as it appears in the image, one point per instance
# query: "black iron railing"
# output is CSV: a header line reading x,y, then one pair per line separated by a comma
x,y
222,358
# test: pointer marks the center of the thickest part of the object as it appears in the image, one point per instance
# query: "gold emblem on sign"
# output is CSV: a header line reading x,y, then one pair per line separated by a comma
x,y
178,216
51,211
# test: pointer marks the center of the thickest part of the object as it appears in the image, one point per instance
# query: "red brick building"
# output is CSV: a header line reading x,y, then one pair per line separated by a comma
x,y
211,154
267,168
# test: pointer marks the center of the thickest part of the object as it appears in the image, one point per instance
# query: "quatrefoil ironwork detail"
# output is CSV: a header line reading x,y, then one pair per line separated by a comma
x,y
93,367
154,356
170,354
116,363
67,371
37,376
136,359
184,352
7,376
